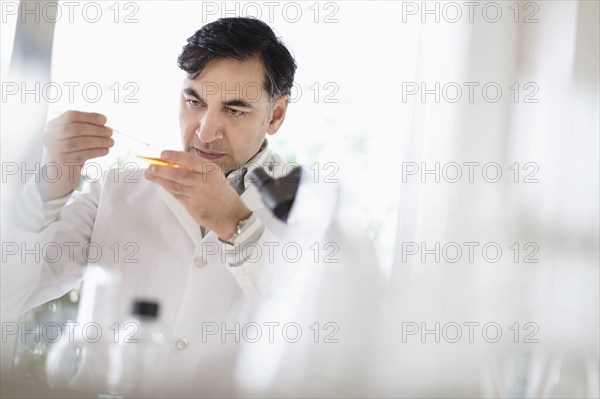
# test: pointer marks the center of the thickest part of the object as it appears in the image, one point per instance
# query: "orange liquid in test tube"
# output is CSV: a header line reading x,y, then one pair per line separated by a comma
x,y
158,161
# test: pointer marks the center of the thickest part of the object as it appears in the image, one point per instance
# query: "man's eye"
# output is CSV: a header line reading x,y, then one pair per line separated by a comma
x,y
193,103
235,112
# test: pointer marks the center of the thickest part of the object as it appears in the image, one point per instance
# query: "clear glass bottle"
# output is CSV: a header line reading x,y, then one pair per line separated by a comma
x,y
136,360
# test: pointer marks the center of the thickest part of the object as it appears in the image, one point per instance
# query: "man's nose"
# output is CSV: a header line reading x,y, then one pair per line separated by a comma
x,y
211,127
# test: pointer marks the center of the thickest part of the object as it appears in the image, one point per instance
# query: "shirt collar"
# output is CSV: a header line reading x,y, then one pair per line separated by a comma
x,y
242,173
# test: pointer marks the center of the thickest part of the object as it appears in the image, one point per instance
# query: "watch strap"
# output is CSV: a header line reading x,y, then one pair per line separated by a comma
x,y
239,229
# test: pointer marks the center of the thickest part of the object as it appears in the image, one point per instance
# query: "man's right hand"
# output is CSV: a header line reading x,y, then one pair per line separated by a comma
x,y
70,140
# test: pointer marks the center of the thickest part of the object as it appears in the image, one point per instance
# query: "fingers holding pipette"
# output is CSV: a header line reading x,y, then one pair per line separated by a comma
x,y
70,140
66,117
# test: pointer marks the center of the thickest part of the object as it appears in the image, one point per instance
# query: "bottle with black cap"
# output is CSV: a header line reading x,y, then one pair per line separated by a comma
x,y
138,356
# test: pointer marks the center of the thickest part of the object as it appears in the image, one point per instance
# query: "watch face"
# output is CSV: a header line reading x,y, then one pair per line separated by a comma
x,y
239,229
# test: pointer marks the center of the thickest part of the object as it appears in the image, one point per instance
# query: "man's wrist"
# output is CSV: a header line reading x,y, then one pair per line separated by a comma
x,y
230,228
48,191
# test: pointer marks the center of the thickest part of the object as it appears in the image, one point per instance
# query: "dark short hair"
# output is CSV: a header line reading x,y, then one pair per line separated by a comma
x,y
241,39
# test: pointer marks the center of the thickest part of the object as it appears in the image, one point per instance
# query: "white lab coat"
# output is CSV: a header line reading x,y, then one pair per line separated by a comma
x,y
142,232
156,251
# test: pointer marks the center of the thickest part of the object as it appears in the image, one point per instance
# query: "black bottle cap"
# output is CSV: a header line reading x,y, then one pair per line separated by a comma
x,y
145,308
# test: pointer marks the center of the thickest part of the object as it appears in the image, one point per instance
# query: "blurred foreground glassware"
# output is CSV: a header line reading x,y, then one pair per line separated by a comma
x,y
137,359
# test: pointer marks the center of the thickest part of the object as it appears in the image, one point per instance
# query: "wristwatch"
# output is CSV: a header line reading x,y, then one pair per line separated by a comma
x,y
238,230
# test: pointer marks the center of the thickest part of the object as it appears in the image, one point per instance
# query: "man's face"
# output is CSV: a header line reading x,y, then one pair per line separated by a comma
x,y
225,112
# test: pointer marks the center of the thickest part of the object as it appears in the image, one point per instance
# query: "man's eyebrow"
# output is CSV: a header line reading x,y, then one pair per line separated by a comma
x,y
191,92
238,103
231,103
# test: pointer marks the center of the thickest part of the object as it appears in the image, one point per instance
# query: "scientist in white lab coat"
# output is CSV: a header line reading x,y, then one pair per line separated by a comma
x,y
177,235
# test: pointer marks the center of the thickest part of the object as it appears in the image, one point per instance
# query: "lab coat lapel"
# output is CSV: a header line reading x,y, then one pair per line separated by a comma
x,y
186,220
252,199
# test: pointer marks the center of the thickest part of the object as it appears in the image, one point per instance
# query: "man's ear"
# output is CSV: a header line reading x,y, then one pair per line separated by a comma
x,y
277,115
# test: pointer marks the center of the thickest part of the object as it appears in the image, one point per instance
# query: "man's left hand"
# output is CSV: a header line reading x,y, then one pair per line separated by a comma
x,y
202,189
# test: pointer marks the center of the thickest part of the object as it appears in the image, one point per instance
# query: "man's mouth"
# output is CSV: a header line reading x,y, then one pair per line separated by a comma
x,y
208,154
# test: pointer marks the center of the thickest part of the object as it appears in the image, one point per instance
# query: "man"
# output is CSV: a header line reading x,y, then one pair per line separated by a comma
x,y
181,235
236,57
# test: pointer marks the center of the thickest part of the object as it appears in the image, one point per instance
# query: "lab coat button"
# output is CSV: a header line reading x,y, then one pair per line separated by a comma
x,y
199,261
182,344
